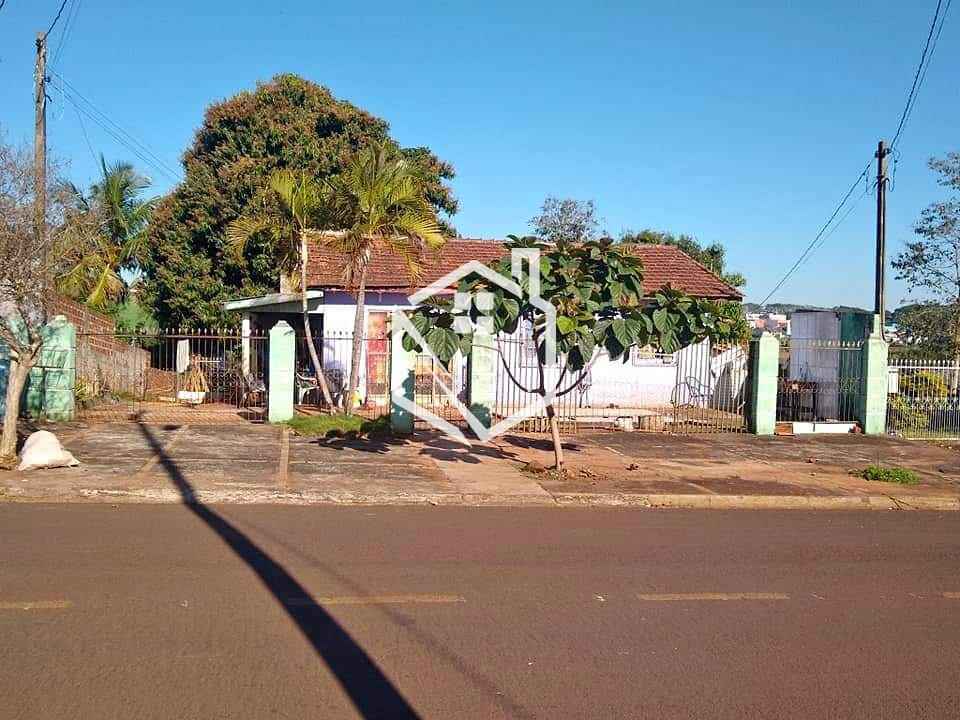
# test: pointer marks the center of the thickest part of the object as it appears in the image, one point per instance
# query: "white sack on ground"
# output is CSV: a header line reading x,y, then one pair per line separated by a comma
x,y
43,450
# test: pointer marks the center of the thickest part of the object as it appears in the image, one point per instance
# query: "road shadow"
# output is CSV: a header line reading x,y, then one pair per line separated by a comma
x,y
493,691
370,691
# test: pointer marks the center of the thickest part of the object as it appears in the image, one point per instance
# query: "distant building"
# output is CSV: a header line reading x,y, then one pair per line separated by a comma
x,y
776,323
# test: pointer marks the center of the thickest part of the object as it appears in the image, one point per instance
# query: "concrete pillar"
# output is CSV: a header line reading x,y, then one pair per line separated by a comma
x,y
761,408
873,384
245,343
482,377
403,365
50,387
283,348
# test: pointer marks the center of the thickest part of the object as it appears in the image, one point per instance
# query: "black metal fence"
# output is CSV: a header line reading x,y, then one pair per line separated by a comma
x,y
819,381
125,374
335,351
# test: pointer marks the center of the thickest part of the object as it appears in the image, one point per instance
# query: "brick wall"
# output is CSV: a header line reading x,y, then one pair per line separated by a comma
x,y
104,362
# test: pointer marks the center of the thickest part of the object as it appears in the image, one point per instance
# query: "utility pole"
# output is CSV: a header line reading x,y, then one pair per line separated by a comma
x,y
40,148
878,306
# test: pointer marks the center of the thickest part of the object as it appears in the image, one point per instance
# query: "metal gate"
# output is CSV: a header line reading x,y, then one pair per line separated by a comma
x,y
184,376
923,400
697,389
819,381
710,393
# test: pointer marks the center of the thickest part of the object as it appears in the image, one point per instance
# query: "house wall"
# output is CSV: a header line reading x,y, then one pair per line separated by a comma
x,y
640,382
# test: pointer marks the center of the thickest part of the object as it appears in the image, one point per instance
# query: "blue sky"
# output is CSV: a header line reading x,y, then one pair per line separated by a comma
x,y
737,122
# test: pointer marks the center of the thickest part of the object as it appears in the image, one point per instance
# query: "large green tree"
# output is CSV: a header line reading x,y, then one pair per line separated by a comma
x,y
287,123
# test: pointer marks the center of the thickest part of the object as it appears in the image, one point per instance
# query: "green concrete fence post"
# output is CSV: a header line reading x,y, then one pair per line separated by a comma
x,y
283,350
482,376
402,378
764,360
50,389
873,383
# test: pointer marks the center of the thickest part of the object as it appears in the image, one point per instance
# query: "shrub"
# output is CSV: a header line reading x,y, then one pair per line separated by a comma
x,y
901,476
904,417
923,383
339,425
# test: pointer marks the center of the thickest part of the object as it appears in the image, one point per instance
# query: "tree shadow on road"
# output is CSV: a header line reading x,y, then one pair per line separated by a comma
x,y
372,693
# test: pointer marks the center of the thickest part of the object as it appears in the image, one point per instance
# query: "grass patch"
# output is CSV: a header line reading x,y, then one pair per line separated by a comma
x,y
900,476
332,426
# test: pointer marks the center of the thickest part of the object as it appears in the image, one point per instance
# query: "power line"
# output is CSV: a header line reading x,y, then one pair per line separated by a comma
x,y
53,24
930,45
121,135
67,29
810,248
146,159
933,35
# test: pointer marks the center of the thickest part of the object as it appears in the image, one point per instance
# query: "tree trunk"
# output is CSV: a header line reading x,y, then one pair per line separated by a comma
x,y
555,435
16,379
358,333
307,332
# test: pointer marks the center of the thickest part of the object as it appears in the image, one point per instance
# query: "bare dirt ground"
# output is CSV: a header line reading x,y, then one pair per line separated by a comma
x,y
734,464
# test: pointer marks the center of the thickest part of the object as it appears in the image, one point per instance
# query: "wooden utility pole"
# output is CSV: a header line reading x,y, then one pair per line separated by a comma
x,y
40,146
879,305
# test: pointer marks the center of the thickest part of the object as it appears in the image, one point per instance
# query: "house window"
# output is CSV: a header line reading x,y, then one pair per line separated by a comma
x,y
647,357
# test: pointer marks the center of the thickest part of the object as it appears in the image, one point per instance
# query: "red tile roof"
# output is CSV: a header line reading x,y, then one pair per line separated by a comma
x,y
663,265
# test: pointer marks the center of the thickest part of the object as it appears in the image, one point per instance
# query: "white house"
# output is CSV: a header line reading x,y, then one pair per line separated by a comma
x,y
645,378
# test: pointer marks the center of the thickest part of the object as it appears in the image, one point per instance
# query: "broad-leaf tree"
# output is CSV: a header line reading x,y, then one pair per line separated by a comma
x,y
292,206
596,289
286,123
565,220
930,264
110,227
379,200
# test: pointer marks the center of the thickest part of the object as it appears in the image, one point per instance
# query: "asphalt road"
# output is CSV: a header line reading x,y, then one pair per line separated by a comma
x,y
143,611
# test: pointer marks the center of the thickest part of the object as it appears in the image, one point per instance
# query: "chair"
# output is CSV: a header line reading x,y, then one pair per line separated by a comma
x,y
252,387
306,384
698,393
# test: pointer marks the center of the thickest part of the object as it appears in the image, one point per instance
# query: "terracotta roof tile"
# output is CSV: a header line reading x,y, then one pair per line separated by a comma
x,y
663,265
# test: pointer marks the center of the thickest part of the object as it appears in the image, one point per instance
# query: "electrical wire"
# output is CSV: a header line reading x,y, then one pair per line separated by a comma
x,y
925,57
144,158
813,244
54,23
67,29
117,132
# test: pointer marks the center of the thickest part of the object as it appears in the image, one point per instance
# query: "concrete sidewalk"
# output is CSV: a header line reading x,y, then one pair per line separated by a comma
x,y
268,464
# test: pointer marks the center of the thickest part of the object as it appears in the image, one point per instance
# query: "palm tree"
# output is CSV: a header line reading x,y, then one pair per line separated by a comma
x,y
297,204
378,200
110,226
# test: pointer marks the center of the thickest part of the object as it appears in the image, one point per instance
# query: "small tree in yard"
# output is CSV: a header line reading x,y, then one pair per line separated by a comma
x,y
596,288
291,206
380,198
29,263
930,265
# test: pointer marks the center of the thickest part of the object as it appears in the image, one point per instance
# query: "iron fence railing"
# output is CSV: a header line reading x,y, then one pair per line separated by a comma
x,y
710,394
118,372
923,398
335,351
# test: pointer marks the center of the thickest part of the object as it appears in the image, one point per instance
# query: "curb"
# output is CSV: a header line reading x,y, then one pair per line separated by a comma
x,y
665,501
762,502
